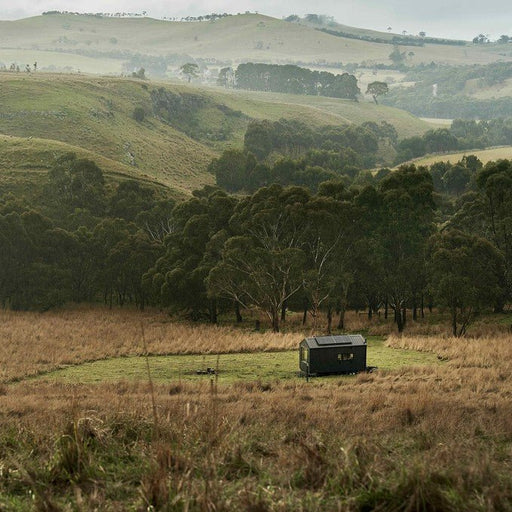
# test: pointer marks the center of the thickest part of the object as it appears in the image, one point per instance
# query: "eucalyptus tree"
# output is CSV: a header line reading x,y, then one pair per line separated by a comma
x,y
406,224
262,262
495,181
487,212
177,279
466,276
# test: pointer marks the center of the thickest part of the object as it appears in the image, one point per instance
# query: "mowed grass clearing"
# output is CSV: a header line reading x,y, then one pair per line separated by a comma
x,y
228,367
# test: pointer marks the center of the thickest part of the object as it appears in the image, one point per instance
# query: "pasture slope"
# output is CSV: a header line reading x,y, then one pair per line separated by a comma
x,y
44,115
485,155
228,40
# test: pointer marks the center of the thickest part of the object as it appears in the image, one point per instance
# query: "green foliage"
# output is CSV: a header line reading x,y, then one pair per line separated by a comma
x,y
451,99
233,170
140,73
76,183
466,275
139,114
377,89
190,70
185,111
191,249
295,80
397,57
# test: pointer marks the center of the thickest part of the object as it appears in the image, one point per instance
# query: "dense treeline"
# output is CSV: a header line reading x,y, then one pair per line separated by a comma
x,y
85,242
376,246
328,25
289,152
295,80
462,135
395,39
443,91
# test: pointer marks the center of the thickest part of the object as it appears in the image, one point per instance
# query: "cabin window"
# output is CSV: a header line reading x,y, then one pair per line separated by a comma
x,y
303,354
345,356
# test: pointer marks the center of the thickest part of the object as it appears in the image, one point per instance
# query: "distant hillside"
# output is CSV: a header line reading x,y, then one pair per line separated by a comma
x,y
233,39
485,155
183,127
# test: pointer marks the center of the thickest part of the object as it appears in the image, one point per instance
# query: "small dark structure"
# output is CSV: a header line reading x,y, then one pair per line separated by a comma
x,y
323,355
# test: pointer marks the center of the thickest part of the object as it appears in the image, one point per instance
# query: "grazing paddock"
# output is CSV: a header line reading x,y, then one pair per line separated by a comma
x,y
408,437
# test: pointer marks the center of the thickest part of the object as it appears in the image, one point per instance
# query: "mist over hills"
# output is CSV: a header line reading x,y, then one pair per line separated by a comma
x,y
231,39
96,115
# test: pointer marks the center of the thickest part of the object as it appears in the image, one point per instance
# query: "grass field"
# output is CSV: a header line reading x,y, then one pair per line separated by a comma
x,y
501,90
229,367
319,110
235,38
485,155
44,115
48,61
96,115
429,430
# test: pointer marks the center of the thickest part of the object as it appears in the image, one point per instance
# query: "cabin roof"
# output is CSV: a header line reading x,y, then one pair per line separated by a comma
x,y
348,340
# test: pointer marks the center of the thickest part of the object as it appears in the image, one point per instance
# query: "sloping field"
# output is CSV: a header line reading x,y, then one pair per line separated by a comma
x,y
485,155
235,38
44,115
321,110
97,115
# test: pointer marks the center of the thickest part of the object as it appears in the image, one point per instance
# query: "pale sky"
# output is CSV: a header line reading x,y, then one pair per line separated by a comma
x,y
442,18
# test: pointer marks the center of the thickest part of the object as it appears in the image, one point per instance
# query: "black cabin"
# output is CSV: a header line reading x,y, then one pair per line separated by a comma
x,y
332,354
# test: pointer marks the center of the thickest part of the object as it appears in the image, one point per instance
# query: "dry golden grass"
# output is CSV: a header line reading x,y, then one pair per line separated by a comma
x,y
32,343
412,439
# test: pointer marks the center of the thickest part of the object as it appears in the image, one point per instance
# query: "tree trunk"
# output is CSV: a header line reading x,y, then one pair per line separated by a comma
x,y
399,320
386,307
275,320
237,313
283,312
329,319
213,311
305,313
341,321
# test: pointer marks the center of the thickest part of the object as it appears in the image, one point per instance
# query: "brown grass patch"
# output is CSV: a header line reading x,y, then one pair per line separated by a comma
x,y
38,342
425,438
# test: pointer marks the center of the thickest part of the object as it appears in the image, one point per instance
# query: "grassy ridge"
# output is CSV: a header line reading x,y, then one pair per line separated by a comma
x,y
235,38
485,155
48,114
96,114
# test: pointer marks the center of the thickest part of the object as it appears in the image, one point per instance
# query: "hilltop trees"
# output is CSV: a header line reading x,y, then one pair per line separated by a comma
x,y
295,80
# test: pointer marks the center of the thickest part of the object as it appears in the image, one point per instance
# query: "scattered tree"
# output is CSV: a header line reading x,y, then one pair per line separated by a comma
x,y
377,89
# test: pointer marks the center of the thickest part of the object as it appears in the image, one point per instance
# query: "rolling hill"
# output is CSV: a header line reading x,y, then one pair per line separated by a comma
x,y
229,40
44,115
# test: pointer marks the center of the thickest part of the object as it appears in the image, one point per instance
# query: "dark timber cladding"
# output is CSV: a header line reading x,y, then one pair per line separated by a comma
x,y
332,354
